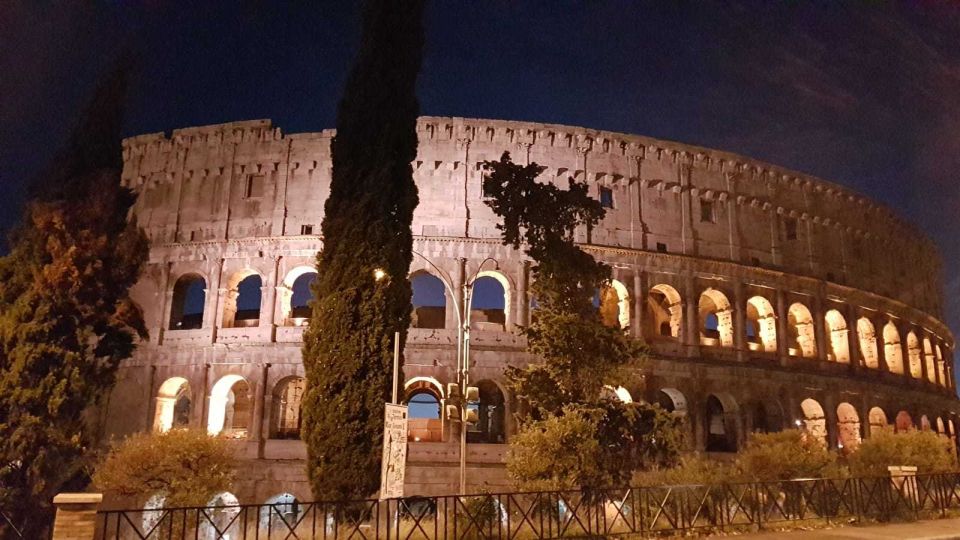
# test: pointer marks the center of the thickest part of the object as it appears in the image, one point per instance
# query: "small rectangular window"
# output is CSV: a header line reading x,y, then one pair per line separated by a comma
x,y
661,247
706,211
193,236
254,187
306,229
790,228
606,197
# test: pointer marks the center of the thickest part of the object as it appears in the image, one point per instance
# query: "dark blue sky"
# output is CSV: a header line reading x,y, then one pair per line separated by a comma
x,y
864,94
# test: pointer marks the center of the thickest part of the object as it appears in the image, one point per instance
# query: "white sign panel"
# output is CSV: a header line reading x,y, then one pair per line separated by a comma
x,y
394,451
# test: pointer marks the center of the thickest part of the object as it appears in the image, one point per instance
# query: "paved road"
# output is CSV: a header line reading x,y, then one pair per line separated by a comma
x,y
937,529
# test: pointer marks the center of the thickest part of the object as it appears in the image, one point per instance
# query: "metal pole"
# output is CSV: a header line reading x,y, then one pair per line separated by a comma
x,y
396,366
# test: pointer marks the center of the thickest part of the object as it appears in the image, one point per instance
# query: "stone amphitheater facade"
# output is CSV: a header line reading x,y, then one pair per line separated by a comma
x,y
768,298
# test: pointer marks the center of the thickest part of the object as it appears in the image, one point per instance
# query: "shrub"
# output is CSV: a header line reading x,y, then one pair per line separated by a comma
x,y
693,469
187,467
926,450
785,455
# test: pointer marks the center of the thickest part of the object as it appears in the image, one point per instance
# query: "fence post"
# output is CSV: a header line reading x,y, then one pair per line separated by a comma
x,y
76,516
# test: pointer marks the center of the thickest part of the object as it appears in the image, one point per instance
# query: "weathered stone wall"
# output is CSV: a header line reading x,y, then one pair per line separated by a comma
x,y
757,288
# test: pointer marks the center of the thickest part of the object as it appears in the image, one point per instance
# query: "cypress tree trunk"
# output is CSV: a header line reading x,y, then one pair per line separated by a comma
x,y
348,347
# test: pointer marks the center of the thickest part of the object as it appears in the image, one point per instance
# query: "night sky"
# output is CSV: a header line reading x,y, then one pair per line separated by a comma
x,y
866,95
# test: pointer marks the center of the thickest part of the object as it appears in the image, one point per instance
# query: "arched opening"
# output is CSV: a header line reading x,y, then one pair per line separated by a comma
x,y
950,427
301,295
867,337
892,350
801,342
914,355
173,405
878,421
814,420
280,515
665,312
765,415
941,427
721,425
761,328
489,301
423,413
294,297
848,427
904,422
838,344
429,301
924,423
491,424
241,304
716,319
614,304
930,360
189,298
672,401
221,518
285,417
231,408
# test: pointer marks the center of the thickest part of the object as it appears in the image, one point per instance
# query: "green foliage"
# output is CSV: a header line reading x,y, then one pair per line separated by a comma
x,y
785,455
66,319
571,434
925,450
586,446
348,348
188,467
694,469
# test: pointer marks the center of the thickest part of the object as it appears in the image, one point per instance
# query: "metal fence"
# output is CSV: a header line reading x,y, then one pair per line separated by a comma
x,y
556,514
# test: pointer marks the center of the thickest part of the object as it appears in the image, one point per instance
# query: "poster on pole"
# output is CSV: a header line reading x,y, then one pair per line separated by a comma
x,y
394,462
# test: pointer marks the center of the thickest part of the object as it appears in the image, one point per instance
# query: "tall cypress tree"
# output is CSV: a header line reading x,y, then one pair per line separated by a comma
x,y
362,295
66,319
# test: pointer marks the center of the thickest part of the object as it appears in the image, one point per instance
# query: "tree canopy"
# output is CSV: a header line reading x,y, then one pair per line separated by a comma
x,y
362,293
66,318
574,431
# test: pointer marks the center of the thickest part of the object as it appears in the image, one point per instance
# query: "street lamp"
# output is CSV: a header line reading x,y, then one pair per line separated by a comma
x,y
465,393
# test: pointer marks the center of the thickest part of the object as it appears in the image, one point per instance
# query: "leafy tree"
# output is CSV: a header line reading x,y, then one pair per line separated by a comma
x,y
186,467
925,450
362,293
66,319
785,455
573,432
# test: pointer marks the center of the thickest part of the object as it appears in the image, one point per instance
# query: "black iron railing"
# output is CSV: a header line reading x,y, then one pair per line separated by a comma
x,y
554,514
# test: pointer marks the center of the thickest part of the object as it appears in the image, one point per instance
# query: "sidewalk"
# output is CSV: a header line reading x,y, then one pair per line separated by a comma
x,y
934,529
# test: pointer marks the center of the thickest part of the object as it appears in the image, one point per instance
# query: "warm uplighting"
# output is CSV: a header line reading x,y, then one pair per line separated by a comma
x,y
379,274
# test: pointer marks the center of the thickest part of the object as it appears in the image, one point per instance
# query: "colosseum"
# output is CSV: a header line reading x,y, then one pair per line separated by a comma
x,y
768,298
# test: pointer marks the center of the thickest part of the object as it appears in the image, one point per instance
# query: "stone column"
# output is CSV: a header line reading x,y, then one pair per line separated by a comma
x,y
733,218
638,182
853,338
260,413
164,296
76,517
152,405
686,208
691,299
268,303
639,301
523,295
740,321
211,307
832,421
819,326
783,334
